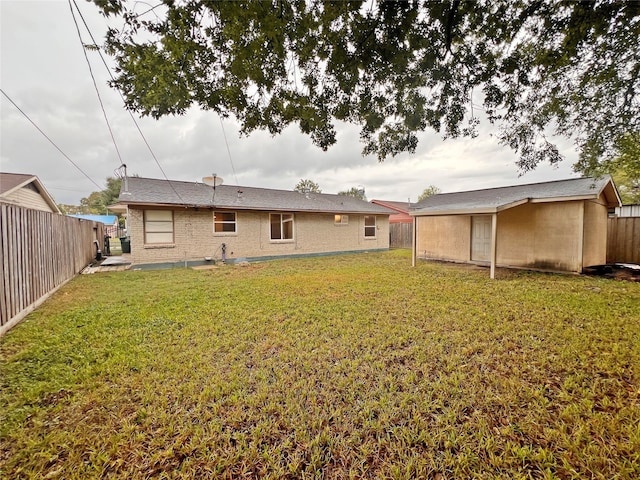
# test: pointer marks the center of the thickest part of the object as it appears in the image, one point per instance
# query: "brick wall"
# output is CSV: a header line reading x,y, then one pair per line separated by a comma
x,y
194,238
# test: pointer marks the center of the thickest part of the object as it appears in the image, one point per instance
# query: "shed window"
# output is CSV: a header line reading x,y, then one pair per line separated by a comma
x,y
341,219
158,226
224,222
281,226
370,226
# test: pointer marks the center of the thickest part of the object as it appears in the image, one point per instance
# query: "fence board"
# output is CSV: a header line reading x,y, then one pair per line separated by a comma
x,y
400,235
4,276
623,240
39,252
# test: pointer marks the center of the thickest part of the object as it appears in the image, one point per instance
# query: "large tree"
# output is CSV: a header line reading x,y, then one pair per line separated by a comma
x,y
624,166
96,202
534,67
430,191
306,185
355,192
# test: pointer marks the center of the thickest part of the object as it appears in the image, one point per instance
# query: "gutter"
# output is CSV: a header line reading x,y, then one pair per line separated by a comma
x,y
250,208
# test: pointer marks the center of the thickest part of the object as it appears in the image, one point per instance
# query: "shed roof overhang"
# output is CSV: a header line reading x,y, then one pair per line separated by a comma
x,y
611,200
611,197
479,210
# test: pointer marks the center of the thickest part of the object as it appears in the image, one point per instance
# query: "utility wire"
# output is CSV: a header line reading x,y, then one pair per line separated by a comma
x,y
104,62
50,141
224,134
95,85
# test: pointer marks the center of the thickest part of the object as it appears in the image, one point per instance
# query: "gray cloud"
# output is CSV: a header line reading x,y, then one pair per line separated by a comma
x,y
44,71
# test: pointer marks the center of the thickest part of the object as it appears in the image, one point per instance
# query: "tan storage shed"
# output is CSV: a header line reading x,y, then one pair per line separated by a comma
x,y
552,226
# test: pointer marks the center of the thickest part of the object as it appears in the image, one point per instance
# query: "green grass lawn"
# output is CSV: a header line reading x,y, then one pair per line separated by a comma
x,y
353,366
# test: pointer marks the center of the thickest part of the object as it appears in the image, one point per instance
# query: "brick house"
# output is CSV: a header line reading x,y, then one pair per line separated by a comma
x,y
175,222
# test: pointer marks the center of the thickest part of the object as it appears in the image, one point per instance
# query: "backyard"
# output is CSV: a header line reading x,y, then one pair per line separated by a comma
x,y
353,366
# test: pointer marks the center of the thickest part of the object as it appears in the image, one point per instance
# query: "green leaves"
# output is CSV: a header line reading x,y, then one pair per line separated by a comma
x,y
623,165
394,68
307,186
355,192
428,192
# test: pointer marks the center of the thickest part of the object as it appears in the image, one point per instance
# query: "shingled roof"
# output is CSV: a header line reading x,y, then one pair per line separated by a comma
x,y
493,200
155,192
12,182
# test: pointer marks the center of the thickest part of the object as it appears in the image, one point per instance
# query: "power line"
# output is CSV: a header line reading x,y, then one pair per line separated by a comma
x,y
49,187
95,85
224,134
153,155
50,141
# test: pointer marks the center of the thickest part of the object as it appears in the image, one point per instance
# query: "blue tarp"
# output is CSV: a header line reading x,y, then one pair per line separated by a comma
x,y
106,219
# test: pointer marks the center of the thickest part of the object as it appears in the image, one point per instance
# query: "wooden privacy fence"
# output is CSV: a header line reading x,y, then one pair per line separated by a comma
x,y
39,252
623,240
400,235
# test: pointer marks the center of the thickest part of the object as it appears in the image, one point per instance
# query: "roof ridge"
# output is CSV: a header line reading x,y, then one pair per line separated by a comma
x,y
523,185
21,174
196,182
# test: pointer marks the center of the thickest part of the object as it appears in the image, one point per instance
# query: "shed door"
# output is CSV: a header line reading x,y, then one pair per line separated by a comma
x,y
481,238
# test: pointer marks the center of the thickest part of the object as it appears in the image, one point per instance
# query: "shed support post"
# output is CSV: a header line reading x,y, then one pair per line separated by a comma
x,y
414,246
494,235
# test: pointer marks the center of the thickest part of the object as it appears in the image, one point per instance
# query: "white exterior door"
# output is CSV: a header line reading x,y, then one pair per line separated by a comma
x,y
481,238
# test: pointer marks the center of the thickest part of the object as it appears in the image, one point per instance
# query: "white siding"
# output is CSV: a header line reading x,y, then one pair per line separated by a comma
x,y
29,199
628,211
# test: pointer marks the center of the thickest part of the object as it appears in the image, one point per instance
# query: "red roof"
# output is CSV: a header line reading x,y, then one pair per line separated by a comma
x,y
401,207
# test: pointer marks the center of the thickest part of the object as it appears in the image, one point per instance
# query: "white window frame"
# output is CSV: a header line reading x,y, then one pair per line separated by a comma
x,y
282,221
340,219
370,227
158,226
225,222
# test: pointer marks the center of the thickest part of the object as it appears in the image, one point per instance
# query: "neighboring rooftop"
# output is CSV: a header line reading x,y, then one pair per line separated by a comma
x,y
11,181
15,187
400,210
155,192
398,206
493,200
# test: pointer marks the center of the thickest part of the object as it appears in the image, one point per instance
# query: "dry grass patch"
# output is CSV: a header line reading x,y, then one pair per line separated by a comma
x,y
340,367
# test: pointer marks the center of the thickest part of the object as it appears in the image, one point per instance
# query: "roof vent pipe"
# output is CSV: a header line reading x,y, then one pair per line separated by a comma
x,y
121,173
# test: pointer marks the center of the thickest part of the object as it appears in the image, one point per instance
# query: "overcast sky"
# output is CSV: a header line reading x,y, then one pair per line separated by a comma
x,y
44,71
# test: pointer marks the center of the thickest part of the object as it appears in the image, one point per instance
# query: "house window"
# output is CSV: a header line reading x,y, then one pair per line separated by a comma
x,y
370,226
341,219
281,226
224,222
158,226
